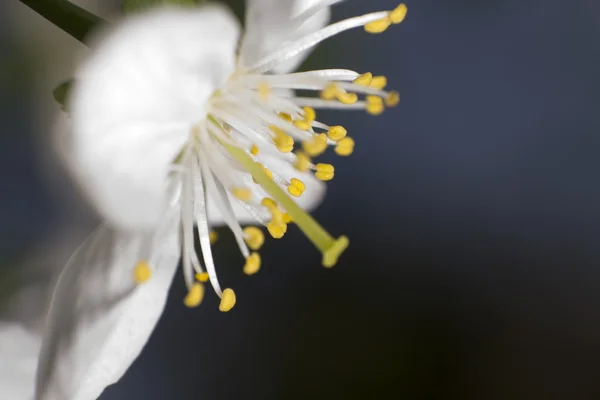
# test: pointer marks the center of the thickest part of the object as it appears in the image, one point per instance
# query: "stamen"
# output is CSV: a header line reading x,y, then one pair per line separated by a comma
x,y
378,26
379,82
227,301
330,247
195,295
364,80
325,172
142,272
309,114
347,98
296,187
252,265
392,99
337,133
213,237
330,92
302,162
345,147
254,150
254,237
303,124
375,105
202,277
398,14
317,146
287,218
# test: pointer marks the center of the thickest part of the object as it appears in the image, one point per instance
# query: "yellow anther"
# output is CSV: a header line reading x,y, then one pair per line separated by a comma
x,y
287,218
398,14
213,237
345,147
378,26
296,188
309,114
264,90
202,277
194,296
392,99
364,80
269,203
142,272
277,229
331,255
337,133
254,150
242,194
375,105
347,98
316,146
269,173
252,265
277,130
330,92
254,237
379,82
284,143
302,163
303,124
325,172
285,116
227,300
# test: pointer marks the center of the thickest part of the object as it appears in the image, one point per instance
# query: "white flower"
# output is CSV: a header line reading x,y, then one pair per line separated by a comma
x,y
172,126
18,356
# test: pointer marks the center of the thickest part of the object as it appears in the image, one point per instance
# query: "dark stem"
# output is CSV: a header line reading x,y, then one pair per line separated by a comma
x,y
72,19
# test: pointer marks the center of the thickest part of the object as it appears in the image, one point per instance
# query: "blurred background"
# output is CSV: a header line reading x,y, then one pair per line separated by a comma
x,y
473,211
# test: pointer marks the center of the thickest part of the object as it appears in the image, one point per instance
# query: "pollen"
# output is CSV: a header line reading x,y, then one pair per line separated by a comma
x,y
392,99
317,146
378,26
330,92
375,105
325,172
194,296
284,143
364,80
142,272
252,265
296,187
242,194
302,163
228,300
398,14
254,150
309,114
254,237
213,237
347,98
337,133
202,277
277,229
345,147
379,82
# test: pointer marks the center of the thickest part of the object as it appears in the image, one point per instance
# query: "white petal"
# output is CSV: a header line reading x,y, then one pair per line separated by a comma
x,y
99,319
268,27
18,351
135,99
310,199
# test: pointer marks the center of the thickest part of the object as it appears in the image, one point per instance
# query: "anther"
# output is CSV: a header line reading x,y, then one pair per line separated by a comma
x,y
227,300
330,92
269,203
337,133
392,99
285,116
347,98
378,26
317,146
364,80
242,194
254,237
213,237
296,187
194,296
325,172
305,125
379,82
345,147
277,229
142,272
252,265
254,150
287,218
284,143
202,277
302,163
309,114
375,105
398,14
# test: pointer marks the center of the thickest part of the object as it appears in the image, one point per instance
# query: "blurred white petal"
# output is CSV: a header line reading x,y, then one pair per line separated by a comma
x,y
18,354
136,97
99,319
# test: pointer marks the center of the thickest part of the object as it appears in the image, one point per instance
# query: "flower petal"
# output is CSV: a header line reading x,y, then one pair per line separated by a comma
x,y
18,351
135,100
268,26
99,319
310,199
